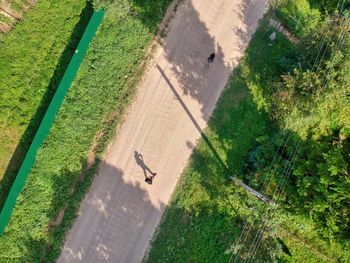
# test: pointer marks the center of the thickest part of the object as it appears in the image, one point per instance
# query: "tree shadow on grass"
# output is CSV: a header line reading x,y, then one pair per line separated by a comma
x,y
205,218
217,217
184,235
266,61
206,203
188,66
149,12
27,137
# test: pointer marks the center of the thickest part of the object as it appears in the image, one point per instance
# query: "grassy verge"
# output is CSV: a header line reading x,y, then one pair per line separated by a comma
x,y
206,214
33,59
94,105
300,236
202,220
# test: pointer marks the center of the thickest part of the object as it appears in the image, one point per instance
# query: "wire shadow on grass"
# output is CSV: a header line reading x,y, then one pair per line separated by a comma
x,y
27,137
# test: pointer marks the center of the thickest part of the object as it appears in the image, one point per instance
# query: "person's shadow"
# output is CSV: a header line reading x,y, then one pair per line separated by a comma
x,y
140,162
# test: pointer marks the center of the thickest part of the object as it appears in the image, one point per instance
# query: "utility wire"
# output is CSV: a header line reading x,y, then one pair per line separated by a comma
x,y
330,37
285,179
276,156
258,237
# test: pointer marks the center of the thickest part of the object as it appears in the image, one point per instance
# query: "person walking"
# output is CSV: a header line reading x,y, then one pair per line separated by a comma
x,y
149,179
146,170
210,59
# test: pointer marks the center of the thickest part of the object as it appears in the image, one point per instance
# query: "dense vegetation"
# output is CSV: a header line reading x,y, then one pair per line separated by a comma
x,y
312,102
33,58
288,137
94,105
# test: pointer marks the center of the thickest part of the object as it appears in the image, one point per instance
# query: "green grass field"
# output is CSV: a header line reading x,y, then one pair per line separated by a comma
x,y
33,59
94,105
207,212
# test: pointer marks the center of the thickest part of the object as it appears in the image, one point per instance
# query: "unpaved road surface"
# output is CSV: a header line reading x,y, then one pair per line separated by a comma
x,y
177,95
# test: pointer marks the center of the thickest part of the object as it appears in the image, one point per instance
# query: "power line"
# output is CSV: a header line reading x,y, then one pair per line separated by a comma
x,y
258,238
260,228
329,39
273,162
338,46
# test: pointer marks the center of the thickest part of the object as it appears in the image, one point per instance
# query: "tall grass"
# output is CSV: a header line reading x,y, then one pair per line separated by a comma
x,y
33,58
95,103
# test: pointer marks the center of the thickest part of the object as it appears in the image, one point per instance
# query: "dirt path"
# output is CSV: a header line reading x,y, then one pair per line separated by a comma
x,y
120,213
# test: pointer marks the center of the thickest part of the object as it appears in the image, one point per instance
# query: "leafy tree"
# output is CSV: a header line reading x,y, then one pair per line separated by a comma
x,y
317,186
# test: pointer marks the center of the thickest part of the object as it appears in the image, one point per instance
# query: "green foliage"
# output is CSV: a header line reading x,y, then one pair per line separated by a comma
x,y
318,187
300,234
312,220
322,83
264,63
94,104
150,12
329,6
313,102
27,62
5,19
323,183
299,16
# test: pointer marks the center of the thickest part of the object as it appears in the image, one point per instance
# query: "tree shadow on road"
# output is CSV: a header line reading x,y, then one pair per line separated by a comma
x,y
196,43
207,211
101,236
195,123
196,79
190,66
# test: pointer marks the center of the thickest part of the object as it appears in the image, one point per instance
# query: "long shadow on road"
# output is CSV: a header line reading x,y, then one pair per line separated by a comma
x,y
195,123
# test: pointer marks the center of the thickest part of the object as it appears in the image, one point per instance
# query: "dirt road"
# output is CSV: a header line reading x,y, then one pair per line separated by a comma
x,y
121,211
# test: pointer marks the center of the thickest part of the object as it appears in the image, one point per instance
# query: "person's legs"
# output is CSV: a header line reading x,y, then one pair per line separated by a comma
x,y
144,171
149,170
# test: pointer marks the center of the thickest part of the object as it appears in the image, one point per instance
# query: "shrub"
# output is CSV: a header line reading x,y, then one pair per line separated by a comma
x,y
298,16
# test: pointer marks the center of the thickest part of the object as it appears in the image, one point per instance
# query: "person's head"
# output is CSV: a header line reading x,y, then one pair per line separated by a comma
x,y
212,55
137,155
